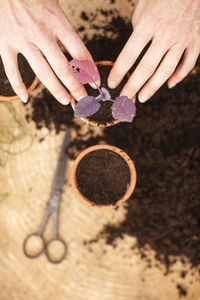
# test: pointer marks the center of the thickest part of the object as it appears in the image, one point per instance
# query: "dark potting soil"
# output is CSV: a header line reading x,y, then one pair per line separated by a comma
x,y
48,112
104,114
104,48
103,177
164,142
26,73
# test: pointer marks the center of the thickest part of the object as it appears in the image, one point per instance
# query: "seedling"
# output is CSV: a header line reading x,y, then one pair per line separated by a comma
x,y
85,71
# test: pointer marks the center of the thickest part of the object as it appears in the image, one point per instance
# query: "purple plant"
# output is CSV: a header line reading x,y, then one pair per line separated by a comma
x,y
85,71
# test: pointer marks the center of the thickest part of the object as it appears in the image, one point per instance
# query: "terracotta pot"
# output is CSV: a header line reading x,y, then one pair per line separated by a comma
x,y
73,101
31,87
130,187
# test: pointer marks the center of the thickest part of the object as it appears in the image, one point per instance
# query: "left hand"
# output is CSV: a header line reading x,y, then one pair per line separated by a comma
x,y
173,26
36,28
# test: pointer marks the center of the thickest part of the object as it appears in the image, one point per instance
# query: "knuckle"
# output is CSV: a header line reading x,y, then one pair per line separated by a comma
x,y
34,51
169,35
147,69
84,54
167,71
40,28
75,88
57,91
128,58
42,72
62,68
148,25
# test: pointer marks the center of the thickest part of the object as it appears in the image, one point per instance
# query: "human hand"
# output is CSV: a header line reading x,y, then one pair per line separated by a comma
x,y
35,28
173,26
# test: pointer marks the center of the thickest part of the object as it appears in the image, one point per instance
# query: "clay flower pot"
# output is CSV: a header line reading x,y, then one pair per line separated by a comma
x,y
30,89
88,119
29,78
103,176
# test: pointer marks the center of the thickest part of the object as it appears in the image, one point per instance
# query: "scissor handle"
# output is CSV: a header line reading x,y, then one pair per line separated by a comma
x,y
56,250
34,245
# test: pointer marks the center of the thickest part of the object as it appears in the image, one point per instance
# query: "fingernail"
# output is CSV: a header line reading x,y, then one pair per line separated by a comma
x,y
23,98
112,84
93,85
171,85
64,101
79,98
143,98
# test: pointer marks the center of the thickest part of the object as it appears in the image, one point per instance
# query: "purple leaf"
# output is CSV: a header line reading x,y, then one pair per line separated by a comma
x,y
123,109
84,71
86,107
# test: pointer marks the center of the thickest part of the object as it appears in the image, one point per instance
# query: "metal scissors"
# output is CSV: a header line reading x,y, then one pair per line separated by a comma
x,y
34,243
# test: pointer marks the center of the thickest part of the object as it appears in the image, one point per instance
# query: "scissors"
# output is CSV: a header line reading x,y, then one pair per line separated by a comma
x,y
34,243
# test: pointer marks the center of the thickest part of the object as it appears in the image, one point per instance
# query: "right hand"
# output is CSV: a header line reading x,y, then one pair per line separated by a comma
x,y
35,28
174,29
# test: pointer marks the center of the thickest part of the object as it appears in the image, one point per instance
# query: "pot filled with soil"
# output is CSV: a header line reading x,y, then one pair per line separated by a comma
x,y
29,78
103,176
107,113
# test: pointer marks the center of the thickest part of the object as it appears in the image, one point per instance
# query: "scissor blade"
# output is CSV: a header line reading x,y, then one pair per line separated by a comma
x,y
59,177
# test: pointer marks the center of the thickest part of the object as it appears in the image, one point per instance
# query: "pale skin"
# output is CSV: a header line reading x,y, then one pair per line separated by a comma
x,y
36,28
173,26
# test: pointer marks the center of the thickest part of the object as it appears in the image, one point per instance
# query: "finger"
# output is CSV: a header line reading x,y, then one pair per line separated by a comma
x,y
9,59
188,63
145,69
164,71
139,9
67,35
59,64
72,42
127,57
45,74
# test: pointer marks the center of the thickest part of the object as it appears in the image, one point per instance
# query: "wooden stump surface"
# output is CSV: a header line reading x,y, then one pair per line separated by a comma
x,y
90,271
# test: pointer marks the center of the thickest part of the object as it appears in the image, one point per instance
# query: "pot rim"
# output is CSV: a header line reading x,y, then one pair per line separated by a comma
x,y
114,122
30,88
129,162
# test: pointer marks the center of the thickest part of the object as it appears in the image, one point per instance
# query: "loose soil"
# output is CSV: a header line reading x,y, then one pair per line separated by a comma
x,y
26,73
164,142
103,177
48,112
